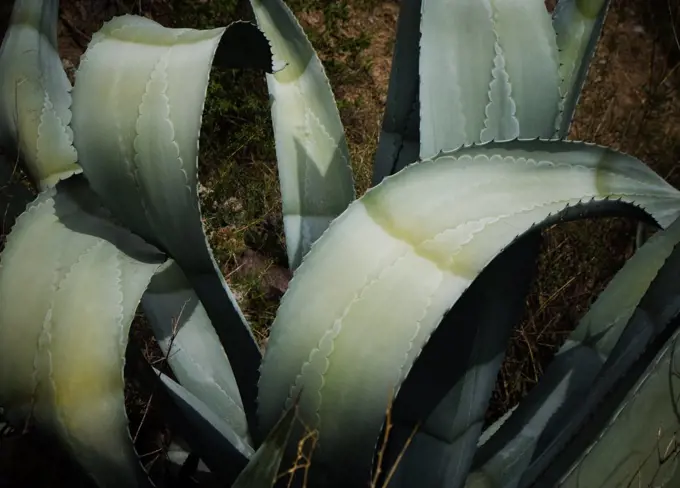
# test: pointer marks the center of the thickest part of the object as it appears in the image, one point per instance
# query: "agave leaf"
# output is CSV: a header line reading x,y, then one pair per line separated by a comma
x,y
631,452
70,282
193,351
582,371
528,43
442,450
578,25
400,133
263,467
142,157
407,250
223,450
35,94
311,149
452,111
500,68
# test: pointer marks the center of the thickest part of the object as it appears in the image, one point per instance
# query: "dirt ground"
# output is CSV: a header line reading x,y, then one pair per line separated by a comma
x,y
630,102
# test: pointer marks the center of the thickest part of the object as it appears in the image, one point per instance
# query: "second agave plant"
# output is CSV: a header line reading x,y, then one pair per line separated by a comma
x,y
402,300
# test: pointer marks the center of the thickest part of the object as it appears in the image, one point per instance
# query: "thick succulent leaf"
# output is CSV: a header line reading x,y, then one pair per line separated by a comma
x,y
453,91
70,282
578,25
223,450
193,350
311,150
441,452
263,467
35,94
400,133
402,254
638,444
583,370
141,158
500,67
528,43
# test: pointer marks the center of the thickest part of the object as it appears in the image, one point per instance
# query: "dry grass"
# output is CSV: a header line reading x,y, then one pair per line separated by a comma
x,y
629,103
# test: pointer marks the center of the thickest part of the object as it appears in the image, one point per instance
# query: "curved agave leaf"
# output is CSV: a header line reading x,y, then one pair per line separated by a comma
x,y
70,282
223,450
401,255
581,372
578,25
456,374
263,468
400,133
311,150
193,351
501,74
35,95
142,157
638,444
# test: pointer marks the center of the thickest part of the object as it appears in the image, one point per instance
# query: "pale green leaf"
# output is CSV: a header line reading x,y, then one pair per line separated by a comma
x,y
141,158
311,149
638,444
528,44
584,369
401,255
263,468
223,450
456,59
457,371
496,78
70,282
578,25
35,94
193,350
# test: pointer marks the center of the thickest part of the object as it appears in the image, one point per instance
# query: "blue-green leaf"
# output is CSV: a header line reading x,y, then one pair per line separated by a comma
x,y
311,149
70,281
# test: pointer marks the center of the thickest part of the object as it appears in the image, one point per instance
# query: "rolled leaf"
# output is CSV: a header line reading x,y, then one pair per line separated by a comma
x,y
582,371
70,281
311,150
35,97
399,140
402,255
193,350
578,25
141,158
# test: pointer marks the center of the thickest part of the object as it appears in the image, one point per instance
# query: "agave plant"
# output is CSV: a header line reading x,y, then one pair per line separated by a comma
x,y
388,341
